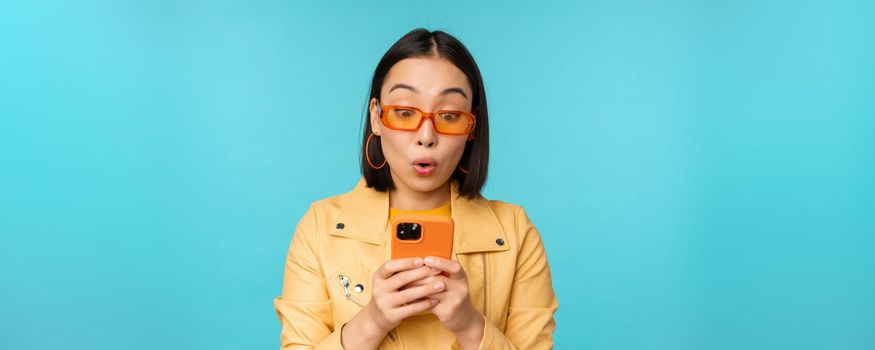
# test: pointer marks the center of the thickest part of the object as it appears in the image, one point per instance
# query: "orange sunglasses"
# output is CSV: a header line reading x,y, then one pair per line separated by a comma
x,y
447,122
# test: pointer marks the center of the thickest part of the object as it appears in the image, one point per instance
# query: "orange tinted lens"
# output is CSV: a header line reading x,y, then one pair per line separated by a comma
x,y
403,118
451,122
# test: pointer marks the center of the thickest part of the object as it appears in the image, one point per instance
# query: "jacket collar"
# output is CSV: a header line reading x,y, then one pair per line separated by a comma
x,y
365,217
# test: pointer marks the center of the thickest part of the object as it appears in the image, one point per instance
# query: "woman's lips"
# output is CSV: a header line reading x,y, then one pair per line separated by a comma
x,y
424,166
424,169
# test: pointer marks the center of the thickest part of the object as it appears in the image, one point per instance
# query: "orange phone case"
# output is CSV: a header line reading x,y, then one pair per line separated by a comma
x,y
436,238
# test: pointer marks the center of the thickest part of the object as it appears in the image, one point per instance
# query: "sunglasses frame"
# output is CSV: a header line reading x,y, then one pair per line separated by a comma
x,y
472,120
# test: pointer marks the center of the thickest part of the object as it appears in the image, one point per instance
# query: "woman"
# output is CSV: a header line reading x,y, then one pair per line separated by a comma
x,y
341,290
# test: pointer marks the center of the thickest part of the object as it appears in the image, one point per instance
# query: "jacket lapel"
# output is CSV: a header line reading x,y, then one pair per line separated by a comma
x,y
365,217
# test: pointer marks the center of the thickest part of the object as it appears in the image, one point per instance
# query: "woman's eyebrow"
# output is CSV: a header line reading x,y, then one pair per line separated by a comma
x,y
446,91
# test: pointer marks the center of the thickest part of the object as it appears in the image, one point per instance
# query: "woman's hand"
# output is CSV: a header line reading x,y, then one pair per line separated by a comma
x,y
390,304
454,308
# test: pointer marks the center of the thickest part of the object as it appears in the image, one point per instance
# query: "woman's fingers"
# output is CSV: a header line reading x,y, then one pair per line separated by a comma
x,y
452,267
415,283
438,277
412,294
419,282
416,307
405,277
397,265
387,304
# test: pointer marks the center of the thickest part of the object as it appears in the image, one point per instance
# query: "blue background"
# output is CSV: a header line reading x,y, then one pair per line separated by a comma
x,y
701,172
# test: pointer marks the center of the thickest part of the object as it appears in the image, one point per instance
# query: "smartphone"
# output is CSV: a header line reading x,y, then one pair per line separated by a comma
x,y
419,236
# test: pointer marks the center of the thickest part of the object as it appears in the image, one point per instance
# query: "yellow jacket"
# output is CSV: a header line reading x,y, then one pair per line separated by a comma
x,y
341,240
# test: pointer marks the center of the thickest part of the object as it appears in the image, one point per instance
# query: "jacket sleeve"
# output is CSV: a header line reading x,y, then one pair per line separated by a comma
x,y
304,308
533,303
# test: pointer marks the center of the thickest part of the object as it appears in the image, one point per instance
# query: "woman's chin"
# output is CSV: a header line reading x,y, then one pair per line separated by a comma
x,y
425,183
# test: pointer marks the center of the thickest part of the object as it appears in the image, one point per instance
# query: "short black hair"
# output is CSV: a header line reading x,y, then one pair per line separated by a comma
x,y
421,42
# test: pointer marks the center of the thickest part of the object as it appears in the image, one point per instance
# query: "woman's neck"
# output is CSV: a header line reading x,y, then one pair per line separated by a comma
x,y
405,198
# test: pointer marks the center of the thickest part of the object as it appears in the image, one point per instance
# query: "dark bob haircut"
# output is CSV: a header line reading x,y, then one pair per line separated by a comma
x,y
423,43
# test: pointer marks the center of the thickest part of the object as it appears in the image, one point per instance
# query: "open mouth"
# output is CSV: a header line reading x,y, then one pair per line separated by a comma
x,y
424,169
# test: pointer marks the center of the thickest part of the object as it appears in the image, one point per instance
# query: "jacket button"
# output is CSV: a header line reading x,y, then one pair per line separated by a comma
x,y
499,241
359,288
340,226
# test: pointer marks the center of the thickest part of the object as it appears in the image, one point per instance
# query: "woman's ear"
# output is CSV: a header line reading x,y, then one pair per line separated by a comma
x,y
374,109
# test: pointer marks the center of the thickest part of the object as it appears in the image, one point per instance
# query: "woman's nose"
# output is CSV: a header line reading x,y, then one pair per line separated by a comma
x,y
426,134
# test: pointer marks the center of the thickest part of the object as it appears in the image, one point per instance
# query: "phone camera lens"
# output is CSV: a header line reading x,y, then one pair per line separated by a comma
x,y
408,231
